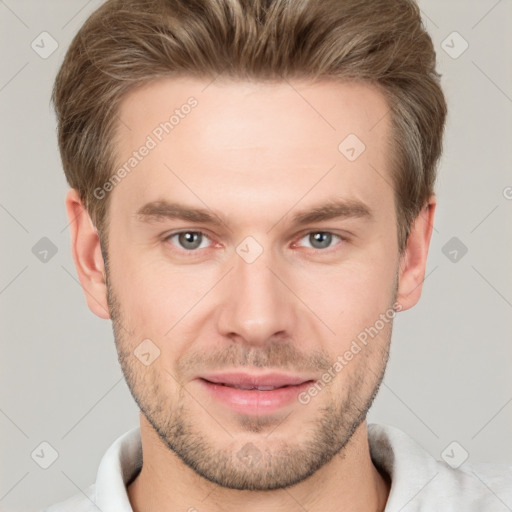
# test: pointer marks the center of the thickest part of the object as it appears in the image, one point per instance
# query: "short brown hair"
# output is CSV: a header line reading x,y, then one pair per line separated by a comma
x,y
127,43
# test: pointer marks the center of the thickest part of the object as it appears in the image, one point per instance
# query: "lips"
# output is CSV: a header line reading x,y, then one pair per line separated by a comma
x,y
266,382
248,387
253,395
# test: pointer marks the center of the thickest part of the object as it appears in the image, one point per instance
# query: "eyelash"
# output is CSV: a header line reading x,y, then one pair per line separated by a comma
x,y
327,250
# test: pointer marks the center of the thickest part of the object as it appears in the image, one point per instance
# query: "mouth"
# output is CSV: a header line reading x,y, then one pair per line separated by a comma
x,y
254,394
251,387
264,382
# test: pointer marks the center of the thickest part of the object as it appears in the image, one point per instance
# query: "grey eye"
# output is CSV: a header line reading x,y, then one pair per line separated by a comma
x,y
320,239
190,239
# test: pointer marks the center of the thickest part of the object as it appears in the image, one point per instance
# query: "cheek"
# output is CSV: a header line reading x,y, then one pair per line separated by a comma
x,y
349,298
156,297
354,287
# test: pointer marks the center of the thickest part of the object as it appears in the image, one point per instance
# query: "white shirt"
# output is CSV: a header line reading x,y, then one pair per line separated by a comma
x,y
418,481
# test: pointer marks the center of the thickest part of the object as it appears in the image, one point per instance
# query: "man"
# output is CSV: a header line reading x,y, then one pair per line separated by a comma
x,y
251,204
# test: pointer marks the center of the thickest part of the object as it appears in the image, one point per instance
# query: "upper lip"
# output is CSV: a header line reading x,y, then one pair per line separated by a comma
x,y
245,379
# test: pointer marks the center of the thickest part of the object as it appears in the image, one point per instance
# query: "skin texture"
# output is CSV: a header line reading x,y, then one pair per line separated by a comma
x,y
255,154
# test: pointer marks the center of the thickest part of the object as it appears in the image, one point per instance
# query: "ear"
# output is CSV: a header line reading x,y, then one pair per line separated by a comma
x,y
414,260
86,249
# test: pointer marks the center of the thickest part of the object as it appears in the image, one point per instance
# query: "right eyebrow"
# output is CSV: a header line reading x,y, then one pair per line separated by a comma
x,y
155,211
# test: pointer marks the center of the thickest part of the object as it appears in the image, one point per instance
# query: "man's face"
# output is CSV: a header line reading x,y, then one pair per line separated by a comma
x,y
257,292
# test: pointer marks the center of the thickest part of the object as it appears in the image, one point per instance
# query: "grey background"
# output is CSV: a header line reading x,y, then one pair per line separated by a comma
x,y
449,376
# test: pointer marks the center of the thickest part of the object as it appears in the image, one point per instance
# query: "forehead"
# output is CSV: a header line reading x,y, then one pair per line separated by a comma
x,y
251,141
327,108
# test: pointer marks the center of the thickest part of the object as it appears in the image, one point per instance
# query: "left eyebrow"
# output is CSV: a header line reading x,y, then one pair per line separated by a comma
x,y
333,210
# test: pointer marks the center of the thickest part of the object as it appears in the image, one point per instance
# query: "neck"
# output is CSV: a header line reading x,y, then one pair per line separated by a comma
x,y
349,481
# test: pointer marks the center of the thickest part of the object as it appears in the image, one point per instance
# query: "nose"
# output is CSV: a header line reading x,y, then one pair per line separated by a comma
x,y
257,307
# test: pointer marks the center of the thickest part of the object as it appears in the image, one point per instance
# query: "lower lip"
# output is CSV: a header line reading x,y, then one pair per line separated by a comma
x,y
254,402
